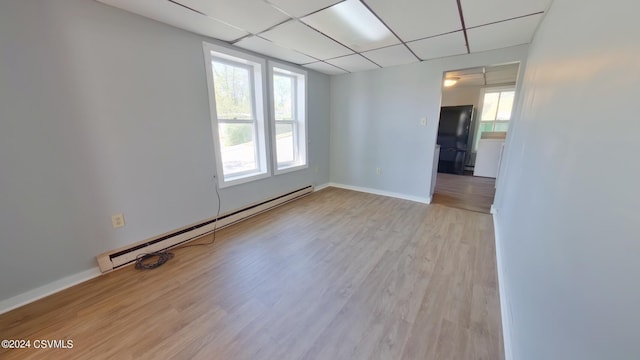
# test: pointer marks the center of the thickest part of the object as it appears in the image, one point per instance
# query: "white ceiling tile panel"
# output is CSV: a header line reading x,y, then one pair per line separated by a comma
x,y
502,74
175,15
415,19
493,75
251,15
440,46
469,82
503,34
295,35
391,56
353,63
352,24
325,68
299,8
487,11
267,47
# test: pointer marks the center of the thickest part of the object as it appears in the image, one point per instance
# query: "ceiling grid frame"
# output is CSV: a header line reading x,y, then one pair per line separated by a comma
x,y
302,9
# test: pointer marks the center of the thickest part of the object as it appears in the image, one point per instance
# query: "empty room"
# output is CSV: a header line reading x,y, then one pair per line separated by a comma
x,y
319,179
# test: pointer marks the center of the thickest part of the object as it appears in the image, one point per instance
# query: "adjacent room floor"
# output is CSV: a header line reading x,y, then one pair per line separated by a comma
x,y
335,275
465,192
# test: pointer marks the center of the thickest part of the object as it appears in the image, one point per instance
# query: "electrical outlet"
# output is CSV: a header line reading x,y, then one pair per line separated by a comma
x,y
378,171
423,121
117,220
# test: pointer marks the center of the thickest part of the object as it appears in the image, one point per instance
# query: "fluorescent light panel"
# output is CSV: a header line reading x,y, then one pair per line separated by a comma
x,y
351,23
294,35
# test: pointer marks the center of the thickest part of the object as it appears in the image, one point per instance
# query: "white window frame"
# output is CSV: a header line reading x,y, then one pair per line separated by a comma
x,y
300,133
259,91
484,91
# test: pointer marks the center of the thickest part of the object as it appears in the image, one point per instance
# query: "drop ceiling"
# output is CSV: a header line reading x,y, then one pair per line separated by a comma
x,y
485,75
342,36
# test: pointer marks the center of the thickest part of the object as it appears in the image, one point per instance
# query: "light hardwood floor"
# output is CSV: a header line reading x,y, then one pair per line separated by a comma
x,y
336,275
465,192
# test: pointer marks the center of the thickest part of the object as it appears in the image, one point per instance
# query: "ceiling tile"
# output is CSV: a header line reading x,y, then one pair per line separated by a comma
x,y
251,15
353,63
485,75
299,8
487,11
467,72
325,68
391,56
294,35
414,19
463,82
267,47
440,46
493,79
503,34
352,24
178,16
502,74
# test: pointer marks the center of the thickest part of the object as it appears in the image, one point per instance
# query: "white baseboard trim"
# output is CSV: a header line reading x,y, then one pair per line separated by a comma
x,y
505,304
48,289
425,200
320,187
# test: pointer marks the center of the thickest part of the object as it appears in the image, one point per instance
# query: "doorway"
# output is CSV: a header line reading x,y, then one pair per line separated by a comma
x,y
477,104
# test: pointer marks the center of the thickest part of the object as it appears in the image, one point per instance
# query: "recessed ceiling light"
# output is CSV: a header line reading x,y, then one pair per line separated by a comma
x,y
450,81
351,23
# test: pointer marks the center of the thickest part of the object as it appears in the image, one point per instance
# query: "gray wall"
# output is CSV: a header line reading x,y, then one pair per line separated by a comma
x,y
102,112
568,219
461,95
375,121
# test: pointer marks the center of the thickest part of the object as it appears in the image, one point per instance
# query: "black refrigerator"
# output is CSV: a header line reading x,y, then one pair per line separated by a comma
x,y
453,138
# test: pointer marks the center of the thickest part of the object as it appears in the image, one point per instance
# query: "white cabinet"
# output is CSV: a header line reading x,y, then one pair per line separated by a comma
x,y
488,157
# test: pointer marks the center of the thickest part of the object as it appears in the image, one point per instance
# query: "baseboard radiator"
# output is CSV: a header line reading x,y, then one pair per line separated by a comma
x,y
118,258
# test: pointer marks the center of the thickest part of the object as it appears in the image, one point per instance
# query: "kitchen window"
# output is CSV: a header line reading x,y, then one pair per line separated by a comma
x,y
497,106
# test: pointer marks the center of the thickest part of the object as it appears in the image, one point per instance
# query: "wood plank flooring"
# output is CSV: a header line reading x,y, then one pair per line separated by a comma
x,y
465,192
335,275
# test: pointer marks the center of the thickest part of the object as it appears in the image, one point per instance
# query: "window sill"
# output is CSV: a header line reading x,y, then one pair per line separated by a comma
x,y
242,179
291,168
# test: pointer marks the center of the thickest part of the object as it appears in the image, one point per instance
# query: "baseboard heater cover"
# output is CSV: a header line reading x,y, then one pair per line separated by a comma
x,y
124,256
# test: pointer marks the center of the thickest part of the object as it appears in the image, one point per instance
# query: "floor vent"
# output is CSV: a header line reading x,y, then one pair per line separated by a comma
x,y
121,257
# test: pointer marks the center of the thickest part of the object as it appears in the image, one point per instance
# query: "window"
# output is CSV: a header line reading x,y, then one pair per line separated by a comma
x,y
236,93
497,105
289,117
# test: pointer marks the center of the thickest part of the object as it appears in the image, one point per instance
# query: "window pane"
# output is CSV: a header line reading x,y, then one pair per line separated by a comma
x,y
237,148
283,97
284,143
490,106
486,127
232,86
500,126
505,106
